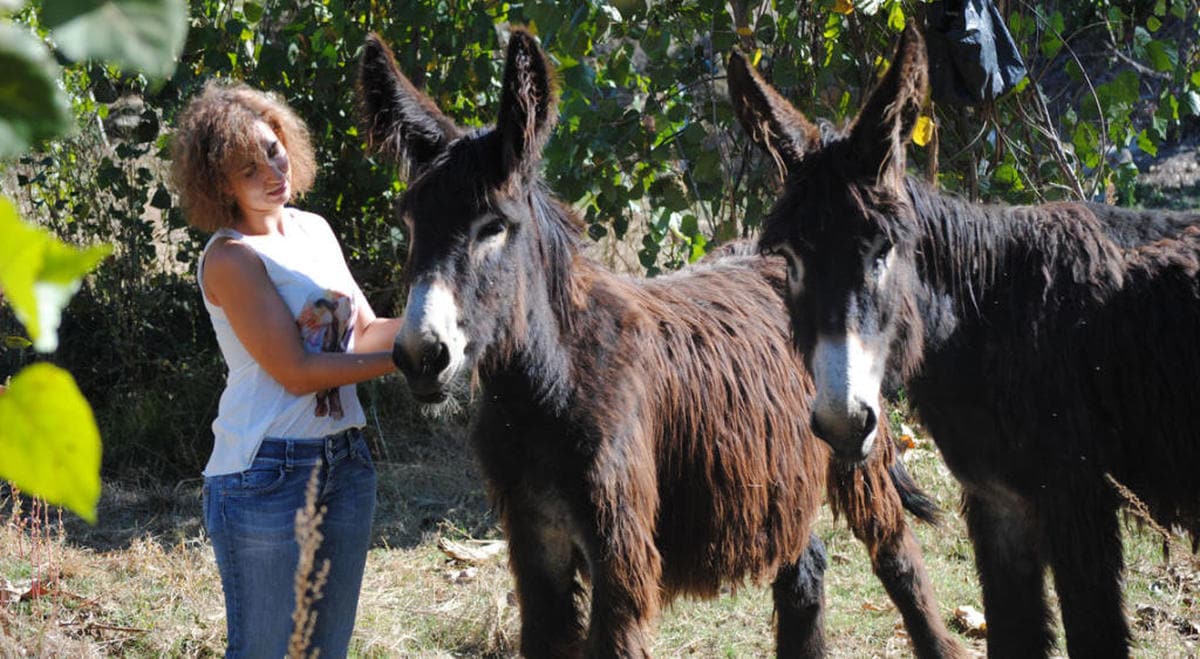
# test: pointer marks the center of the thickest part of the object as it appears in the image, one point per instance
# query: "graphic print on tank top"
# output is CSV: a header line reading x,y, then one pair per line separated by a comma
x,y
325,325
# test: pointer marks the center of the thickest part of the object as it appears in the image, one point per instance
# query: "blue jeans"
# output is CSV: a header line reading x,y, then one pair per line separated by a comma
x,y
251,518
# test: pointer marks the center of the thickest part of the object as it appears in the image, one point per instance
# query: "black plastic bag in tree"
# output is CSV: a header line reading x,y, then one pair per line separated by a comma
x,y
972,56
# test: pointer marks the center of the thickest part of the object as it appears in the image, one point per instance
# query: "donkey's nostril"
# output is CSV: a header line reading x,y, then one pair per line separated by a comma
x,y
869,421
400,358
436,359
815,425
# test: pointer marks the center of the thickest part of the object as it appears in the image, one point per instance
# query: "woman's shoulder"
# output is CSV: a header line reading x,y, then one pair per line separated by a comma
x,y
228,255
229,263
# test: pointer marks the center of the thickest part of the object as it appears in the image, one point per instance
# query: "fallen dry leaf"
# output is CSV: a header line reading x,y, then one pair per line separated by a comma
x,y
9,592
479,551
461,577
22,590
971,621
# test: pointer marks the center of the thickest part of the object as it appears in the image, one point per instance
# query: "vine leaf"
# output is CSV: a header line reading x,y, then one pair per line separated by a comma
x,y
39,274
32,107
922,131
49,439
143,36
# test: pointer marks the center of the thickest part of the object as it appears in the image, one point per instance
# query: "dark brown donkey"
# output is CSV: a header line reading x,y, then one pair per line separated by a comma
x,y
1049,349
648,435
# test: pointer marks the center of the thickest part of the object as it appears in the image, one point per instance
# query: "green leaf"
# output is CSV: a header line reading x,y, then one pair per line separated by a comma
x,y
1008,175
1191,103
1051,44
161,199
1153,24
1146,144
1087,144
39,274
16,342
896,17
137,35
32,107
252,11
1163,56
49,439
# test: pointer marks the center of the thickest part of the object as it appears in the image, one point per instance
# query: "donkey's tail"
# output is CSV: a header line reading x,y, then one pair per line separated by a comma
x,y
912,497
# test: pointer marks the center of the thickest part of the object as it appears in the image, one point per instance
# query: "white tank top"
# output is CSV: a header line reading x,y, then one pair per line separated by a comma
x,y
308,269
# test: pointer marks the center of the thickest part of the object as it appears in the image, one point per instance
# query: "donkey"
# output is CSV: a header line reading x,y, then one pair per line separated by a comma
x,y
647,436
1049,349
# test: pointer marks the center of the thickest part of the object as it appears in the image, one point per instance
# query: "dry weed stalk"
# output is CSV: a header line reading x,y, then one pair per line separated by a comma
x,y
16,520
29,518
1142,512
307,585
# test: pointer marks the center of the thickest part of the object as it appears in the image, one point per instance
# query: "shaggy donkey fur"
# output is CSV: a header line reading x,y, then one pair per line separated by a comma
x,y
650,436
1047,348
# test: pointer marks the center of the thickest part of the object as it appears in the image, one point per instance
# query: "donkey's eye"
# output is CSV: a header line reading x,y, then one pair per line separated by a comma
x,y
492,228
878,255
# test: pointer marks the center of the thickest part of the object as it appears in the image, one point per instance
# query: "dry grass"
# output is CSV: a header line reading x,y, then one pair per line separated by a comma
x,y
144,583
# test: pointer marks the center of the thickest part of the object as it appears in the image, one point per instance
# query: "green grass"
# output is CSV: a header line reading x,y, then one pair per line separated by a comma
x,y
143,582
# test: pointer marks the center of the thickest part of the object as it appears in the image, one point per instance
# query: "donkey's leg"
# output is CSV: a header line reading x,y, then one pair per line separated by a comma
x,y
541,555
625,592
1011,574
1085,556
874,508
897,562
626,566
799,591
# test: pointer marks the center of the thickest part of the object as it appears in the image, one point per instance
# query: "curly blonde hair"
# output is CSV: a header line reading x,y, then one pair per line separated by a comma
x,y
215,133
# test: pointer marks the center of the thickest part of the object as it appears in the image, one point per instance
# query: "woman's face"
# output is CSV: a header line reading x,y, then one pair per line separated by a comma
x,y
262,184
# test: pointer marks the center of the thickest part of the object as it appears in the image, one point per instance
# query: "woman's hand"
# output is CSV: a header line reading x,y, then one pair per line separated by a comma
x,y
236,280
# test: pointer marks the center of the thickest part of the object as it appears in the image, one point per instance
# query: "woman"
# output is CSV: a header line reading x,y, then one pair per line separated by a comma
x,y
296,334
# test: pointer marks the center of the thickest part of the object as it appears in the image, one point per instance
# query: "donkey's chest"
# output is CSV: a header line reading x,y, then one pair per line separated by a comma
x,y
998,417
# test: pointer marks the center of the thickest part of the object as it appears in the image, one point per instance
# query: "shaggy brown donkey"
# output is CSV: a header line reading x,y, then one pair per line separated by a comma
x,y
650,436
1046,348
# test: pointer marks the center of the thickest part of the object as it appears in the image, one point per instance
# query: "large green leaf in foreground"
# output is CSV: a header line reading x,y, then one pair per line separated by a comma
x,y
32,107
49,444
39,274
138,35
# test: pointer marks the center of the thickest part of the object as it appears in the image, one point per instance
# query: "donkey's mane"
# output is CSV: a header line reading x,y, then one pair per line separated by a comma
x,y
560,229
1050,255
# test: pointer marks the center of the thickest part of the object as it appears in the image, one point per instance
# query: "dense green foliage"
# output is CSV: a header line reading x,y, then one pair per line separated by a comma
x,y
48,437
647,147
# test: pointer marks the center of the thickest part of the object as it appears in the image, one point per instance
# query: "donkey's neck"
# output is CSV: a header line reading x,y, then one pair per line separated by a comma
x,y
1024,264
533,347
531,352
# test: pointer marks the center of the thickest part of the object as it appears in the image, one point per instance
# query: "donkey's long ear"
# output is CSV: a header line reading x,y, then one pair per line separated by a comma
x,y
880,133
773,123
528,104
401,121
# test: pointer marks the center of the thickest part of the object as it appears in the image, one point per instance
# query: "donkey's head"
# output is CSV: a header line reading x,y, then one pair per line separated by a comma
x,y
843,222
474,211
